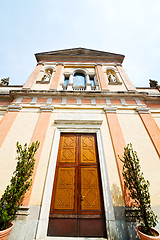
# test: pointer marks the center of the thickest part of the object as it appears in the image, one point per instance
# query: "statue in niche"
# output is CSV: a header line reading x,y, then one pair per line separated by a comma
x,y
111,78
47,76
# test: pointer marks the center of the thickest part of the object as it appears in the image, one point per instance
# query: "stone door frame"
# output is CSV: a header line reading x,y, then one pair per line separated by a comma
x,y
78,126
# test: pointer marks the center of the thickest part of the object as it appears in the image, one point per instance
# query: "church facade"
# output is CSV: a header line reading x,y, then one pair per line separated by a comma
x,y
82,107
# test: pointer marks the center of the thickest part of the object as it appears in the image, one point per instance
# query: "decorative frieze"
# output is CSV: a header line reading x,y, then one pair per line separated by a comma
x,y
34,100
108,101
123,101
64,101
78,101
93,101
138,101
49,100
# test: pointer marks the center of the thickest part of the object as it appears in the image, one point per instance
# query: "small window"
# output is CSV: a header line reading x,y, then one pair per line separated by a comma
x,y
92,81
79,79
66,81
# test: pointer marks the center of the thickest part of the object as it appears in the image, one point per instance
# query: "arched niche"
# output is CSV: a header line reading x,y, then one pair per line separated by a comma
x,y
113,76
48,71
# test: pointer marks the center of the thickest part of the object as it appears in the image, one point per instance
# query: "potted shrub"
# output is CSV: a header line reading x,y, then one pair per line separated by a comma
x,y
139,192
19,184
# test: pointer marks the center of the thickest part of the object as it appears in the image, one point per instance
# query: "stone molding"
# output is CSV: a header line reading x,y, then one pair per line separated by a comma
x,y
110,109
59,63
142,110
47,108
78,122
15,108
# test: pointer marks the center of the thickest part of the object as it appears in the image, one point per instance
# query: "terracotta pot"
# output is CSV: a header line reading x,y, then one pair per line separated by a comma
x,y
4,234
147,237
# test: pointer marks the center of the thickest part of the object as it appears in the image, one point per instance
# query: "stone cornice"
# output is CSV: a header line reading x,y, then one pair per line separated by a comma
x,y
96,93
11,94
87,64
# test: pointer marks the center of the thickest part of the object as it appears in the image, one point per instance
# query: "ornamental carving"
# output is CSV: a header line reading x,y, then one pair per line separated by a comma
x,y
4,82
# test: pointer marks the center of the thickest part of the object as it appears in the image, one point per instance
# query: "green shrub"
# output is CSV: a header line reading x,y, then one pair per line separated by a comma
x,y
19,184
138,189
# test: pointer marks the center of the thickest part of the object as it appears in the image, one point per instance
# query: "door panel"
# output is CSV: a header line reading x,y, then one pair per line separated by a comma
x,y
77,201
88,154
64,195
62,227
68,149
92,227
90,198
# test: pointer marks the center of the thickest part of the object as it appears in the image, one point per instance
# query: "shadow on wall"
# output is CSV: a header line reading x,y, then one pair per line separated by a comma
x,y
125,230
117,197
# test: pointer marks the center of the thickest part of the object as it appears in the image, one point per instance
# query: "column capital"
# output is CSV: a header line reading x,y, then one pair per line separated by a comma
x,y
118,64
110,109
47,108
142,110
40,63
98,64
14,108
60,64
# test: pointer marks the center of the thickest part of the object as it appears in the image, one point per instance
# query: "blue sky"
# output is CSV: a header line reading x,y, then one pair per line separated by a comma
x,y
131,28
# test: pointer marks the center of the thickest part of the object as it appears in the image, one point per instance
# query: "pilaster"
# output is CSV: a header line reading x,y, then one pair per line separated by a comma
x,y
7,121
102,78
126,80
57,76
151,127
39,134
119,144
30,81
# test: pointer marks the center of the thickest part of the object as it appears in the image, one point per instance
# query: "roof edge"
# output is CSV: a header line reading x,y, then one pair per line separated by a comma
x,y
79,54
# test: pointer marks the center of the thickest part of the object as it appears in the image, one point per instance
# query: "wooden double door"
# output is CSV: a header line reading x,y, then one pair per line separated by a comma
x,y
77,202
